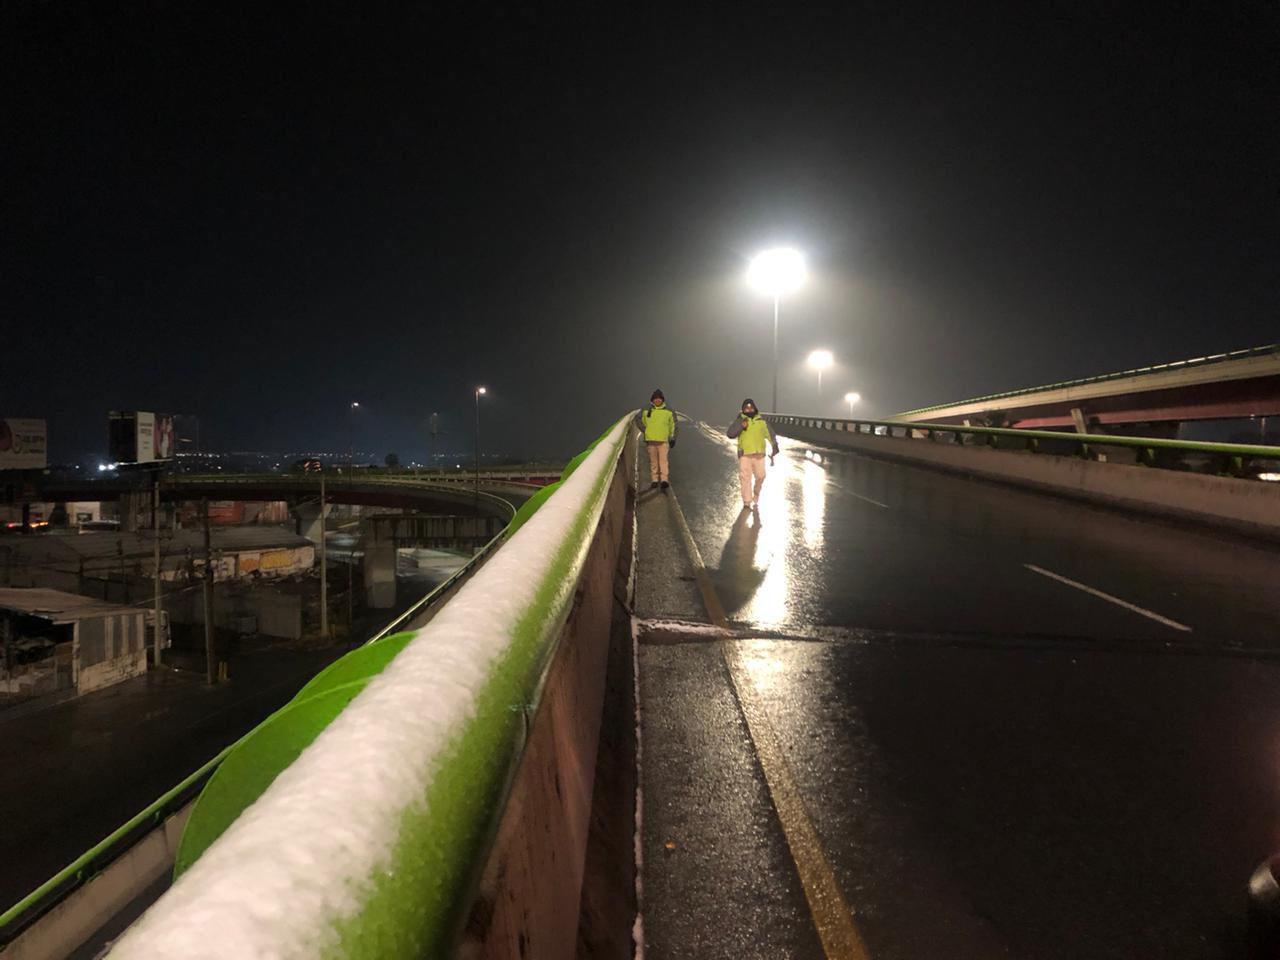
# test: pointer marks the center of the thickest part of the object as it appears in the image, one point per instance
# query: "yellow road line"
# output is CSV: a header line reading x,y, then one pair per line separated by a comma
x,y
831,915
715,609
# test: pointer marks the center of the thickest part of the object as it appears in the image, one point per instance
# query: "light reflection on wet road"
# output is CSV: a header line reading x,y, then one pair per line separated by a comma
x,y
947,555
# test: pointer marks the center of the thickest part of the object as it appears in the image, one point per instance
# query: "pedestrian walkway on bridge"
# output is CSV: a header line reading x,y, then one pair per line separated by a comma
x,y
897,713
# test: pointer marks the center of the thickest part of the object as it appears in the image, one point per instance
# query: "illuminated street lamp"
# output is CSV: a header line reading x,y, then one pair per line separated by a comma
x,y
851,398
776,272
351,435
820,360
480,392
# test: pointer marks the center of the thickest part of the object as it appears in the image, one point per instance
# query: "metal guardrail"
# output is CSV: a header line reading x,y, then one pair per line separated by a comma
x,y
1263,351
1231,456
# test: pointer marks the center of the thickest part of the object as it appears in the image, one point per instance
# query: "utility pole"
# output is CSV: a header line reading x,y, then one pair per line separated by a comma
x,y
324,567
155,528
210,666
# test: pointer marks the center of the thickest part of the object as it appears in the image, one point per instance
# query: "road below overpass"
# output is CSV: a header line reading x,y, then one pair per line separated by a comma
x,y
899,713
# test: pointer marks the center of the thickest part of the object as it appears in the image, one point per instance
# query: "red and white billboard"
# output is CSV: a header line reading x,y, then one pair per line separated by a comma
x,y
23,444
141,437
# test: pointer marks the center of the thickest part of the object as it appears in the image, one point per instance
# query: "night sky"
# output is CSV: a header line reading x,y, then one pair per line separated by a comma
x,y
259,212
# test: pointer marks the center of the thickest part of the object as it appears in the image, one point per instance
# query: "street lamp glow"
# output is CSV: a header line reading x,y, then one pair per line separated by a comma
x,y
851,398
481,390
820,360
777,272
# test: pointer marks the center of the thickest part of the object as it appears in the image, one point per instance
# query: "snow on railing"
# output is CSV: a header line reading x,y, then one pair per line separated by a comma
x,y
367,844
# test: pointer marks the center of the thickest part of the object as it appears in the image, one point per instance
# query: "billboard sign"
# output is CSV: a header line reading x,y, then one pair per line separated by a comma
x,y
23,444
141,437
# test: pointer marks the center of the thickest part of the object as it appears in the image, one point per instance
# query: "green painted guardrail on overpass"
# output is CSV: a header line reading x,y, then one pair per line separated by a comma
x,y
484,746
1232,457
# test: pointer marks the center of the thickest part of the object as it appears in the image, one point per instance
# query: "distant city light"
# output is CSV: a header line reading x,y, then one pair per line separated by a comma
x,y
777,272
1270,477
481,390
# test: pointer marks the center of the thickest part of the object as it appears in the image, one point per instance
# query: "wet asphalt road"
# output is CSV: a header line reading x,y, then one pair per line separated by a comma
x,y
996,763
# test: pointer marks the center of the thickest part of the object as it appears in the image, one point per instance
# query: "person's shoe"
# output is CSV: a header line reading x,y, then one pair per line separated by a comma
x,y
665,485
654,485
746,504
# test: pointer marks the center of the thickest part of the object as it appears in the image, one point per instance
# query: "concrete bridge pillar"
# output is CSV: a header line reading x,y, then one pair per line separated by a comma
x,y
309,521
379,573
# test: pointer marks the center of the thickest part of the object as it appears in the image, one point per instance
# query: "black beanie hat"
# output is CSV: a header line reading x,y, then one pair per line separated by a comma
x,y
657,395
750,401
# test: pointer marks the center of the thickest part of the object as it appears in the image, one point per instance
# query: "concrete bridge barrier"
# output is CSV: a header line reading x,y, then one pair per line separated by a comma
x,y
1249,506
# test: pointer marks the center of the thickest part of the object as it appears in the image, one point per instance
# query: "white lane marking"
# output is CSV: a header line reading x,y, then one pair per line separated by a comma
x,y
858,495
1108,597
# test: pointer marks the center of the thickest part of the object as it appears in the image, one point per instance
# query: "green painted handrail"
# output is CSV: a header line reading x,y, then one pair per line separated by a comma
x,y
438,808
1249,450
90,863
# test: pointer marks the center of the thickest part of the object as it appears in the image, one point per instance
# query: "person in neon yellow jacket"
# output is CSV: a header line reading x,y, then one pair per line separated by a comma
x,y
753,435
658,423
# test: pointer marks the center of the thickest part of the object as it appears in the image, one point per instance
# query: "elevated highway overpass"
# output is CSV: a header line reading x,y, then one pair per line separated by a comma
x,y
500,492
1244,383
902,709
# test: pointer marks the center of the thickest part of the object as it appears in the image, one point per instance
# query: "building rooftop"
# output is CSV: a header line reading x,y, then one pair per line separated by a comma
x,y
56,606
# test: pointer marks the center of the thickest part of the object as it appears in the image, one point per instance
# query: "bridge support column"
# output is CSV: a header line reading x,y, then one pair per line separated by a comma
x,y
379,573
309,521
1077,418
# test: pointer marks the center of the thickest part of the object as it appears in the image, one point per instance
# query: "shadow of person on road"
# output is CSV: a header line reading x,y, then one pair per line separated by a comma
x,y
738,578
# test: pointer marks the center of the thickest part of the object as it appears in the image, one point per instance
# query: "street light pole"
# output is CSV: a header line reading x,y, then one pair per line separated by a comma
x,y
775,354
851,398
480,391
820,360
351,437
776,272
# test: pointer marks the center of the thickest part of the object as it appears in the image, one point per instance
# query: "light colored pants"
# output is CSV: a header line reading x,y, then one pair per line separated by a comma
x,y
658,460
751,466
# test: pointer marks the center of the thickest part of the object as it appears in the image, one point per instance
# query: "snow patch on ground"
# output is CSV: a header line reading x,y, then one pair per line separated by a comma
x,y
299,861
681,626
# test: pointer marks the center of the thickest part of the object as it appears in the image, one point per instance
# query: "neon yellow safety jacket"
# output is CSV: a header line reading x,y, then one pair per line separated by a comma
x,y
658,423
754,436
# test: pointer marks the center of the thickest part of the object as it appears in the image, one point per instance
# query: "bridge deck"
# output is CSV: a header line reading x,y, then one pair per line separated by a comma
x,y
988,759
